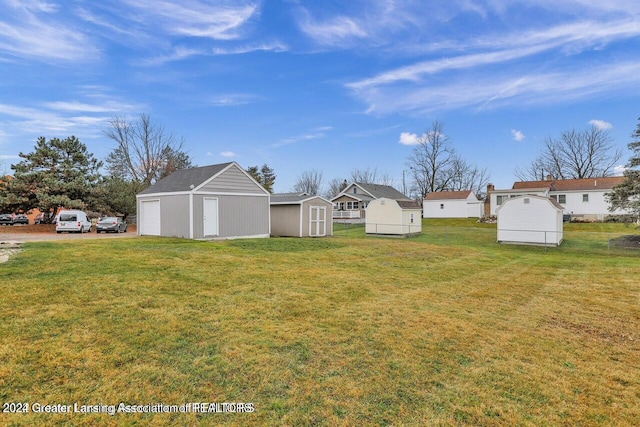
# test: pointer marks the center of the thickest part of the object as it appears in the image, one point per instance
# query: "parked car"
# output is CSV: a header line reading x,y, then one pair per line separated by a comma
x,y
6,219
39,219
21,219
111,223
73,221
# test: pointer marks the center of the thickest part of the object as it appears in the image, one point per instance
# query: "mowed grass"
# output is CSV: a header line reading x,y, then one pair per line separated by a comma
x,y
349,330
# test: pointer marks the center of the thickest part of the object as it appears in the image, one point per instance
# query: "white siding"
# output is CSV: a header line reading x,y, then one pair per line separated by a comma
x,y
537,221
385,216
454,208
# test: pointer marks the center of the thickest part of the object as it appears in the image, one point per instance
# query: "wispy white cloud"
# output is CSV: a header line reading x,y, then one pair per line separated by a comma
x,y
517,135
248,48
314,134
510,47
227,154
601,124
34,30
216,20
233,99
494,90
75,106
334,31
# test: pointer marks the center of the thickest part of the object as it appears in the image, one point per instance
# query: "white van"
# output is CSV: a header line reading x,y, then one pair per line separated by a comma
x,y
72,221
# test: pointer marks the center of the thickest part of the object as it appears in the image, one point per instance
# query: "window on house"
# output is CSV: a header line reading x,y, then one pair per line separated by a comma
x,y
501,199
354,190
341,206
442,205
554,197
585,197
411,219
355,205
349,205
562,198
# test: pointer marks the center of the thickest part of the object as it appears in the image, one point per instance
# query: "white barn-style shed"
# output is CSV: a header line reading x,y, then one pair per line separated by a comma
x,y
452,204
216,201
300,215
533,220
393,217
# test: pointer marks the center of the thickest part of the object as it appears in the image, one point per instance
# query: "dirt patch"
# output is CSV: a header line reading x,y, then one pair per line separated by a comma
x,y
7,249
614,331
631,241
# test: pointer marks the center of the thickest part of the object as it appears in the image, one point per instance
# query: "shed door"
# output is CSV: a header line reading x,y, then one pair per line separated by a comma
x,y
150,217
317,221
210,216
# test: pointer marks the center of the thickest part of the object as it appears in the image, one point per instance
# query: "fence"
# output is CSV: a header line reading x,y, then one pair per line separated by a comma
x,y
346,214
393,229
626,241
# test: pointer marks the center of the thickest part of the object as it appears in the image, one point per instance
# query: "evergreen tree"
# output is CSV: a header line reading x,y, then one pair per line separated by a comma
x,y
627,194
263,176
58,173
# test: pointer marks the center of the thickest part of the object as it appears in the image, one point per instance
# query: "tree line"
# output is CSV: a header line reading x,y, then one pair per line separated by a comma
x,y
61,172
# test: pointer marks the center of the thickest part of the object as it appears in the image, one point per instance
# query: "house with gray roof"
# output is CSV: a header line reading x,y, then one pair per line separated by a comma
x,y
351,203
300,215
216,201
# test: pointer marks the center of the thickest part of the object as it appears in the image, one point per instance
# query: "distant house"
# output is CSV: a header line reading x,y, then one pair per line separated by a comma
x,y
216,201
452,204
300,215
393,217
530,220
581,198
352,202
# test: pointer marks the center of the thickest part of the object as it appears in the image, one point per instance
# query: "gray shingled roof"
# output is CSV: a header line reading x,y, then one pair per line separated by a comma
x,y
183,179
289,197
378,191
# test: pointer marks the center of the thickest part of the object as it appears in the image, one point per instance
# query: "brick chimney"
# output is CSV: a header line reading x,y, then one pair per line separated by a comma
x,y
487,200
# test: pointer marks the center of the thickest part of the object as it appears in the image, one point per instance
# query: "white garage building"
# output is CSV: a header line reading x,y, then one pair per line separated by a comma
x,y
452,204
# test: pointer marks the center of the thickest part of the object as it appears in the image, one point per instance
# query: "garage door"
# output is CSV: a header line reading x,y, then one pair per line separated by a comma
x,y
150,218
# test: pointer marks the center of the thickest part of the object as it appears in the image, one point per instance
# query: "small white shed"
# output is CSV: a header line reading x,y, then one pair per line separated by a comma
x,y
452,204
393,217
535,220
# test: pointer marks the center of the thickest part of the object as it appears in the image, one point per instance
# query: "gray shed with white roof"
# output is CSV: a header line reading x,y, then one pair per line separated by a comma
x,y
300,215
216,201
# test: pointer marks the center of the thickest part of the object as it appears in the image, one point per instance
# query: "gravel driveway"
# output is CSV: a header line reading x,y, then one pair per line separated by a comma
x,y
41,237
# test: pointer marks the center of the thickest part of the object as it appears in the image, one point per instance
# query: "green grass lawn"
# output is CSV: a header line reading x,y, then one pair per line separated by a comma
x,y
447,328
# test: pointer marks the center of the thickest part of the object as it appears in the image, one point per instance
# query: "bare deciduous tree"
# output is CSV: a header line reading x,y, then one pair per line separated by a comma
x,y
436,166
144,152
309,182
366,176
335,187
575,154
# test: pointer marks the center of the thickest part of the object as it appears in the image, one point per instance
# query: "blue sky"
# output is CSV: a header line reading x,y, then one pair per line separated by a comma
x,y
326,85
